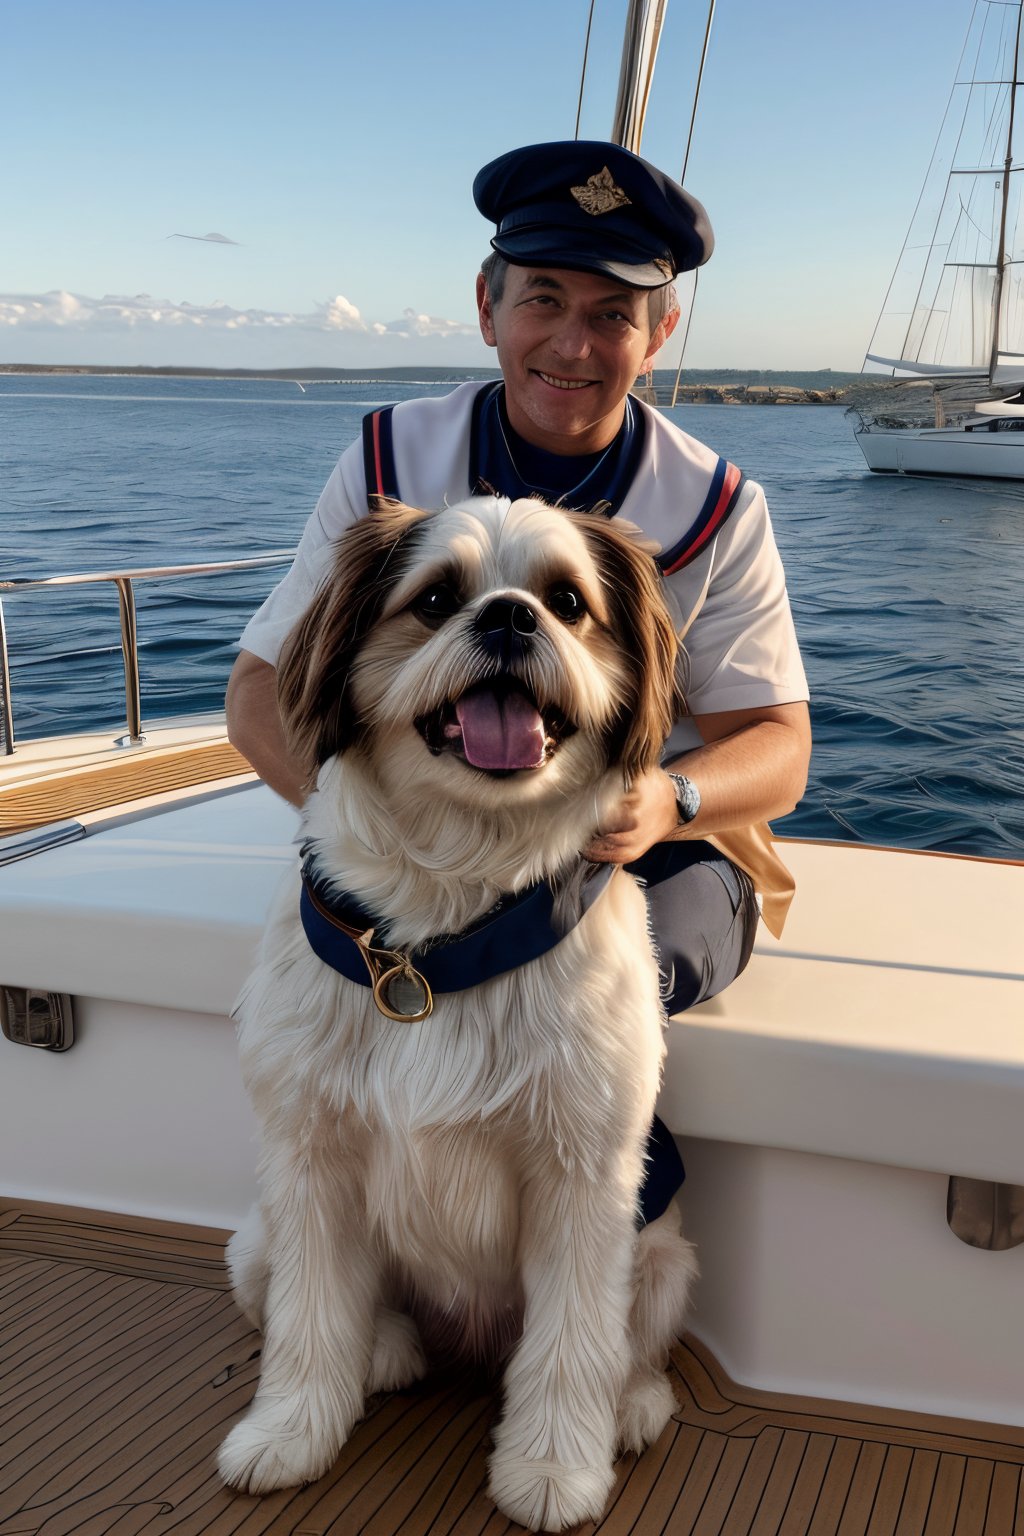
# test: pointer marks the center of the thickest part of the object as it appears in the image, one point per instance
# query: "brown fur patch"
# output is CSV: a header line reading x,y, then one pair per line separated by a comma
x,y
644,628
317,660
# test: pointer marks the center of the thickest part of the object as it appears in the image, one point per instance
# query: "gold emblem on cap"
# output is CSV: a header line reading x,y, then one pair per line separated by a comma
x,y
599,194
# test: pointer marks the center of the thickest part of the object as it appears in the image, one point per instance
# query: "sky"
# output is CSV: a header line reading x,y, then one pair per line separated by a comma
x,y
238,183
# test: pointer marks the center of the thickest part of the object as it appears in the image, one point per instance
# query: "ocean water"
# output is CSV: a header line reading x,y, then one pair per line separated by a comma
x,y
908,594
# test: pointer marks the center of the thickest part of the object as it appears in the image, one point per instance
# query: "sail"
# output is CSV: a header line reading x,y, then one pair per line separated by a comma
x,y
953,306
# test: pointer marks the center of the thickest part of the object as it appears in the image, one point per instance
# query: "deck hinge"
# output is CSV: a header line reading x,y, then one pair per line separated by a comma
x,y
31,1016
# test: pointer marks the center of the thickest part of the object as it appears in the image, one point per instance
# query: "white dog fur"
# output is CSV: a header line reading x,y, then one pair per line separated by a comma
x,y
481,1165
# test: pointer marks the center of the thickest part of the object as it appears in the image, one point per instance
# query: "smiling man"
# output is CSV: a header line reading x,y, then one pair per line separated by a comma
x,y
577,298
570,345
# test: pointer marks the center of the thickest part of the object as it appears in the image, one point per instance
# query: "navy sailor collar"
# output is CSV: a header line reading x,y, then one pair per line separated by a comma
x,y
503,463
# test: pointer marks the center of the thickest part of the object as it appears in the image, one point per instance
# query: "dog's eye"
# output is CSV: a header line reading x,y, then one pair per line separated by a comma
x,y
566,603
436,604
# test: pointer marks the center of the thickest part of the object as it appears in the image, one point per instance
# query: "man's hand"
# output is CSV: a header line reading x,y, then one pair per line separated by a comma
x,y
752,767
643,817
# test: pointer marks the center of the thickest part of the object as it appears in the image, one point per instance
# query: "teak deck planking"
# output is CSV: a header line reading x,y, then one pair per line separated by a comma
x,y
123,1361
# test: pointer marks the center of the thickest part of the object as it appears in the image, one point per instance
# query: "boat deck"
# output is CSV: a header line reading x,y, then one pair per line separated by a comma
x,y
125,1361
87,776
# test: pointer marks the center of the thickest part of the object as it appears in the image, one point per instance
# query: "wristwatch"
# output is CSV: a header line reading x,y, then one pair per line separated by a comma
x,y
687,798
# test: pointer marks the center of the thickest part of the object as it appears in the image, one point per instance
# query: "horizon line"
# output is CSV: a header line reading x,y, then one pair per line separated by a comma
x,y
322,372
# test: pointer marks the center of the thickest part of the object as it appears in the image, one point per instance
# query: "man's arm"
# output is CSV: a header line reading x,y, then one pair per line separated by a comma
x,y
752,767
255,728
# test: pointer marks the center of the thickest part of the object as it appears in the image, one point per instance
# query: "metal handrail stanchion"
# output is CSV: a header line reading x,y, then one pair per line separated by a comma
x,y
6,717
130,655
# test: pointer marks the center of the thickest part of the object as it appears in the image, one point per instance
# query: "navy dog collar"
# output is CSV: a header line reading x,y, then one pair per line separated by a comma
x,y
521,928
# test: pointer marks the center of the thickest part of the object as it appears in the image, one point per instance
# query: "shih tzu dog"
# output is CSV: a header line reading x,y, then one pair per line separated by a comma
x,y
453,1039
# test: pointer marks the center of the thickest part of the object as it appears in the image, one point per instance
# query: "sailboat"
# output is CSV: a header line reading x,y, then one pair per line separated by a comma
x,y
849,1108
952,325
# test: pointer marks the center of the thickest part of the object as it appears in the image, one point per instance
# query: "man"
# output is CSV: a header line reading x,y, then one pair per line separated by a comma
x,y
577,300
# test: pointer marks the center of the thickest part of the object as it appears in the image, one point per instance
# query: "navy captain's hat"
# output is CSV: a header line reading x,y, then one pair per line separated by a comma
x,y
592,207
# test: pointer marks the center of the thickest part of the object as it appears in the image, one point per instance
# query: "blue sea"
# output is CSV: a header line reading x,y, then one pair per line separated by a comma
x,y
908,594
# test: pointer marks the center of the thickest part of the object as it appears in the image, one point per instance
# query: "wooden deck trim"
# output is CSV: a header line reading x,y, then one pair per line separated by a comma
x,y
64,794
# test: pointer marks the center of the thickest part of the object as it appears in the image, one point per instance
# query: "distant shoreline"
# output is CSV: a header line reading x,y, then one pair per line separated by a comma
x,y
293,375
725,386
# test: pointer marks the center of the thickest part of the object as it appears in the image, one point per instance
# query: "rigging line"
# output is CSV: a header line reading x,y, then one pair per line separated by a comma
x,y
1005,26
994,109
686,335
983,233
988,143
682,178
920,197
953,159
696,91
583,71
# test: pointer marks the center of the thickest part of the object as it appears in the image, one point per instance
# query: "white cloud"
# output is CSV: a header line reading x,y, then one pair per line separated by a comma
x,y
412,324
120,313
62,310
340,315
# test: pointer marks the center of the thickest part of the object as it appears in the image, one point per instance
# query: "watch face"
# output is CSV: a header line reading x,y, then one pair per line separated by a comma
x,y
687,798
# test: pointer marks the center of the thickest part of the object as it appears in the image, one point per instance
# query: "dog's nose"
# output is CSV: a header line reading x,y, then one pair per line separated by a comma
x,y
504,616
504,627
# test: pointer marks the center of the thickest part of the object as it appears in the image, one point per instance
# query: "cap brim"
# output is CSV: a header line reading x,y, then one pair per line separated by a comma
x,y
551,248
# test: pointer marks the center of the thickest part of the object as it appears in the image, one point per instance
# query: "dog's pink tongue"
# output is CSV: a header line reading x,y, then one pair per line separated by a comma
x,y
500,731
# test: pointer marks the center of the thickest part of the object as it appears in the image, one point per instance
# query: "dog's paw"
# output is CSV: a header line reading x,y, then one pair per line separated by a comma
x,y
546,1496
275,1446
645,1407
398,1358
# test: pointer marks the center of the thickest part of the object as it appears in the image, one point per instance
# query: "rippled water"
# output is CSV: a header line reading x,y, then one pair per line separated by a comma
x,y
908,594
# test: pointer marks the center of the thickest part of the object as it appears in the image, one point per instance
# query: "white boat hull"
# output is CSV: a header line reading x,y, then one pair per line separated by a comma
x,y
823,1099
943,451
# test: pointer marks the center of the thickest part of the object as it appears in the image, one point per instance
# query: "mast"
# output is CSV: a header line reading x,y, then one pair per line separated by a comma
x,y
953,304
644,21
997,297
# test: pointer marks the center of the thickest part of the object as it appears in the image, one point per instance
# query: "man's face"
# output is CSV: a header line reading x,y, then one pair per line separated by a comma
x,y
570,345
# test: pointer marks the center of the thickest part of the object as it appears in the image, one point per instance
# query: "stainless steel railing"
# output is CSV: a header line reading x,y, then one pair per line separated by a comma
x,y
122,580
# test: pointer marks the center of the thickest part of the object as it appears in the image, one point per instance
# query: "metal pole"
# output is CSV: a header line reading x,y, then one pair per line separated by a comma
x,y
129,650
7,720
997,297
644,21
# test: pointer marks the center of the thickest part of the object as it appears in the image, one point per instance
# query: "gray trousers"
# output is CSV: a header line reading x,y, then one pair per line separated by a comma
x,y
704,917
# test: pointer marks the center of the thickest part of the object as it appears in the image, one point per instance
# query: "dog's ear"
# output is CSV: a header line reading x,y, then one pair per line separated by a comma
x,y
317,659
646,633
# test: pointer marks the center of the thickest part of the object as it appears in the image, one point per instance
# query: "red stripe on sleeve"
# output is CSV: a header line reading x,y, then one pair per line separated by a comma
x,y
733,476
